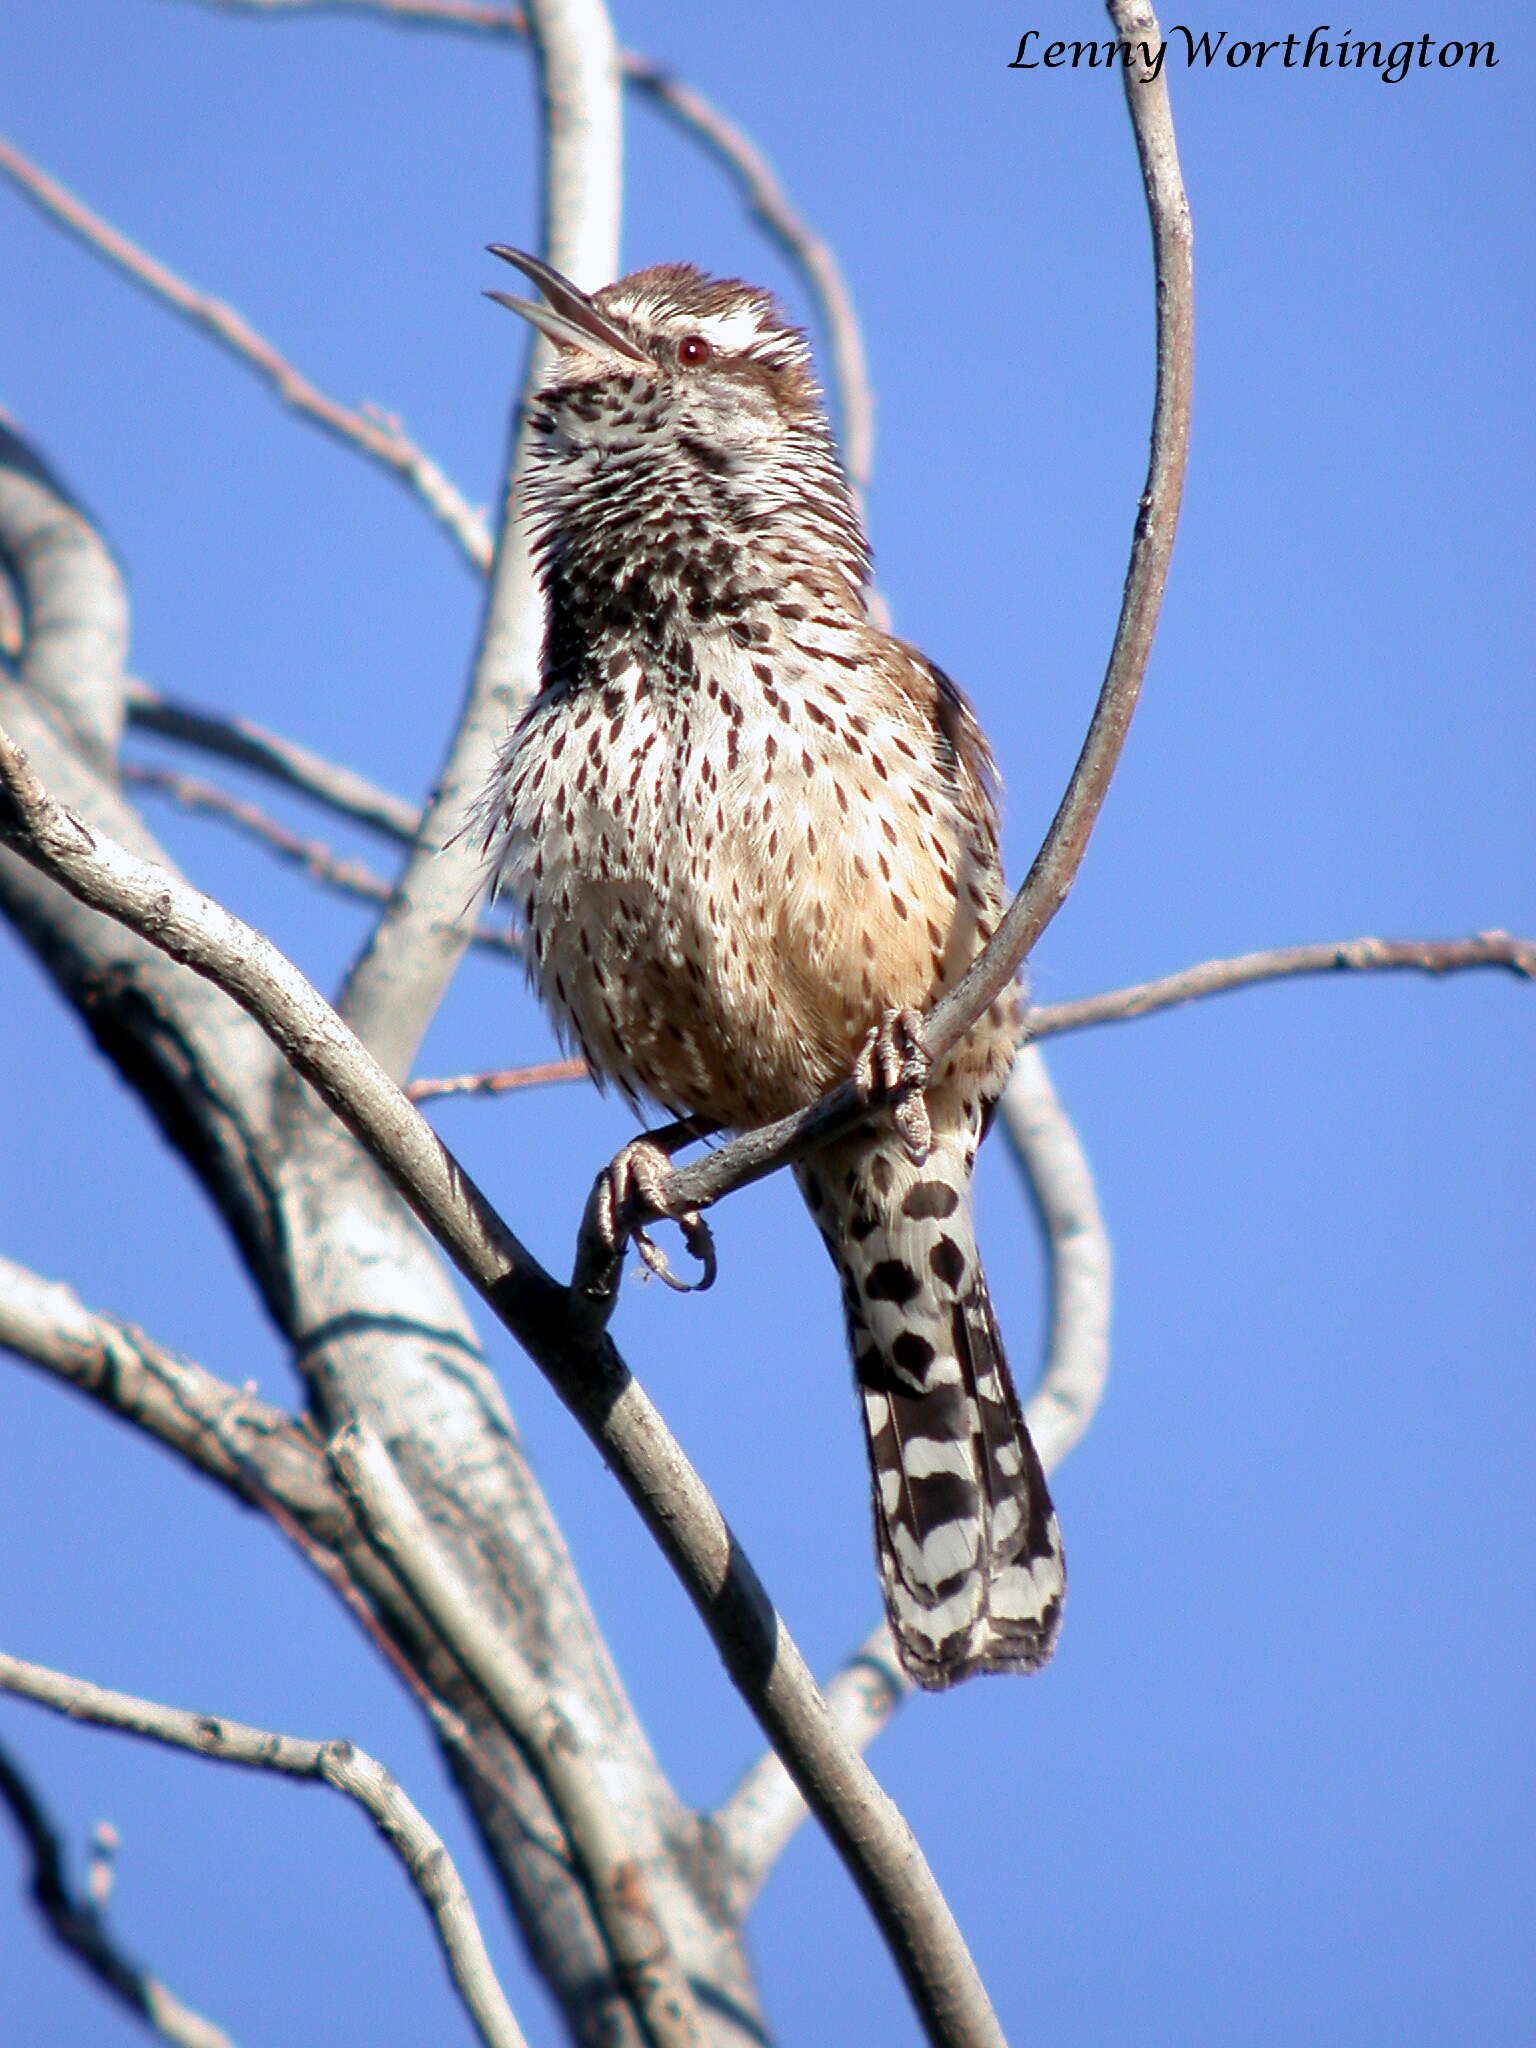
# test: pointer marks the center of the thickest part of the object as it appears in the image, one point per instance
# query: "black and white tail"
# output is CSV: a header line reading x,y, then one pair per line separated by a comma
x,y
966,1538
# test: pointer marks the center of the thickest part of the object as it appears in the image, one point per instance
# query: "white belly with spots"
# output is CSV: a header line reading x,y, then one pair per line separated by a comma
x,y
725,887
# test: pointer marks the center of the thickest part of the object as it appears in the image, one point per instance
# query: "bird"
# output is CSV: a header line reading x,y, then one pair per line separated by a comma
x,y
752,837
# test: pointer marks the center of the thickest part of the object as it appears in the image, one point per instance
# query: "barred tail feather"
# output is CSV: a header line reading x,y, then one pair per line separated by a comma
x,y
966,1539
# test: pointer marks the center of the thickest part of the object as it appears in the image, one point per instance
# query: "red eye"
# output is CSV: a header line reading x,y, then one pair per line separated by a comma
x,y
693,349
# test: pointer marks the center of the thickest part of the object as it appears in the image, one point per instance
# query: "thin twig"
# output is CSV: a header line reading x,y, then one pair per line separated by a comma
x,y
863,1823
376,434
502,1081
349,877
338,788
420,1850
616,1884
1215,977
746,165
80,1926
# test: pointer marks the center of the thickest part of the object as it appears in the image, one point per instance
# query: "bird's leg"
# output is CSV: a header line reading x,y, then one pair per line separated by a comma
x,y
894,1068
629,1193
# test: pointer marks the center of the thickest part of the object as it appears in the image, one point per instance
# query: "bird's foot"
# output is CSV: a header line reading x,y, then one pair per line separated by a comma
x,y
894,1068
630,1193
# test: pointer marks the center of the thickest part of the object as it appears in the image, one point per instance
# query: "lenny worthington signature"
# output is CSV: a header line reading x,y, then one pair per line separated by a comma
x,y
1214,49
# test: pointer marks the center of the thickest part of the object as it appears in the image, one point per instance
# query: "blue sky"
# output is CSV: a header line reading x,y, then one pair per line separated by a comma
x,y
1277,1784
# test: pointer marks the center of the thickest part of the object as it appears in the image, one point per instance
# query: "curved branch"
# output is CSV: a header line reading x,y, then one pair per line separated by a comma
x,y
409,1834
584,1368
80,1926
376,435
1055,866
1244,970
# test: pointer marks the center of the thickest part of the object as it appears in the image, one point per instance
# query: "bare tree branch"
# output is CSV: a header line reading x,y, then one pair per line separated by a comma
x,y
80,1926
338,788
502,1081
420,1850
584,1368
1121,1005
746,165
375,434
348,877
1215,977
616,1882
259,1454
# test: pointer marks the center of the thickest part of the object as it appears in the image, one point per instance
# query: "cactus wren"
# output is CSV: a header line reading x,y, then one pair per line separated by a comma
x,y
749,834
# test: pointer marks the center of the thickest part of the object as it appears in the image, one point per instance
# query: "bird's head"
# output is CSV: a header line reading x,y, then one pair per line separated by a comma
x,y
669,352
681,419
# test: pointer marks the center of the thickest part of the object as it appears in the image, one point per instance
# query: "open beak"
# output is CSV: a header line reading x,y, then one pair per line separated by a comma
x,y
568,319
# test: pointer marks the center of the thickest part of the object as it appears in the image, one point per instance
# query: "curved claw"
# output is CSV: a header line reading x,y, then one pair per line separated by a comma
x,y
699,1239
628,1195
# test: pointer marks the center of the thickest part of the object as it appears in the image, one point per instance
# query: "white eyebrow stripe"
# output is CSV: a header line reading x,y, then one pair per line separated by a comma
x,y
731,332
